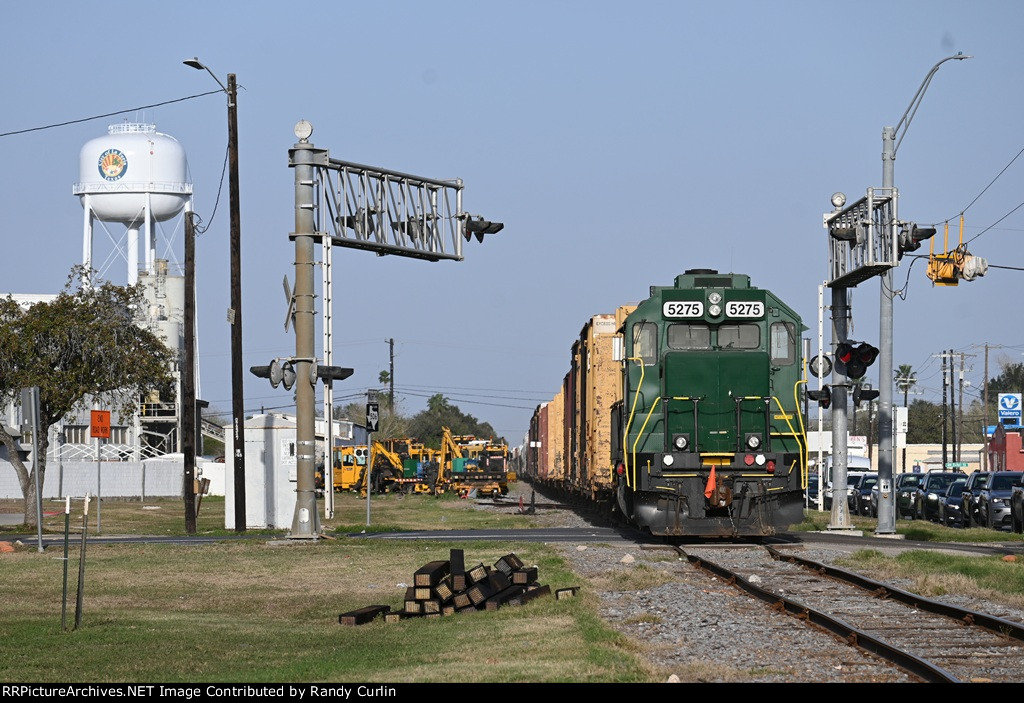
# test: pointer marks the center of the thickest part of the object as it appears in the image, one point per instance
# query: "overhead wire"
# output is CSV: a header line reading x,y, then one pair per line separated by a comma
x,y
108,114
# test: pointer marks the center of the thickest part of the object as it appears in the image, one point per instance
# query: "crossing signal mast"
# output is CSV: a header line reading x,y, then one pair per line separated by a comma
x,y
867,239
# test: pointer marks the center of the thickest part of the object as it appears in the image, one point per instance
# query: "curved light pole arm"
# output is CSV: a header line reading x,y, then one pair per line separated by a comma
x,y
908,116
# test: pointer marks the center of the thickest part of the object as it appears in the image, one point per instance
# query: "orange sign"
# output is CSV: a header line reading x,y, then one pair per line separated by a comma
x,y
100,424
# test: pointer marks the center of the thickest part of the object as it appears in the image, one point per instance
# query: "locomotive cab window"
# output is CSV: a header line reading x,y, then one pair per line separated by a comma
x,y
689,336
783,343
645,342
746,336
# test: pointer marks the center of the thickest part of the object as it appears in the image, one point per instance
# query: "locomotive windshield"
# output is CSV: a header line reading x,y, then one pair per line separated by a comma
x,y
745,336
645,341
783,343
689,336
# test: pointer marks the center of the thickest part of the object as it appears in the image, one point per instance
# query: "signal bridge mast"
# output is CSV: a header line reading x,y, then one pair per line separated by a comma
x,y
365,207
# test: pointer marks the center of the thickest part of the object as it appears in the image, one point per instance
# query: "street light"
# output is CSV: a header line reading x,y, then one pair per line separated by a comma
x,y
235,311
890,144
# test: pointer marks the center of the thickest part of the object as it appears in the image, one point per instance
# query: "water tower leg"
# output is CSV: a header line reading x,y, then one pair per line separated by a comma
x,y
133,255
148,214
86,234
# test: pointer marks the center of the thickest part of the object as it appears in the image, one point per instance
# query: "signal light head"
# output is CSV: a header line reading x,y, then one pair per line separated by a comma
x,y
853,361
822,397
861,394
844,352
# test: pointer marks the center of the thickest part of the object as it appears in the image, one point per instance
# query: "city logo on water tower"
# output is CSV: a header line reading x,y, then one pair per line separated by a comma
x,y
113,164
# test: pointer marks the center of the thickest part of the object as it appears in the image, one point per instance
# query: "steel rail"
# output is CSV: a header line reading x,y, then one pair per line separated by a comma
x,y
885,590
914,665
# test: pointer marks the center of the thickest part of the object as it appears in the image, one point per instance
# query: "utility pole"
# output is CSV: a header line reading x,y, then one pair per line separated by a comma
x,y
945,458
984,415
391,375
235,311
188,385
952,410
237,385
960,411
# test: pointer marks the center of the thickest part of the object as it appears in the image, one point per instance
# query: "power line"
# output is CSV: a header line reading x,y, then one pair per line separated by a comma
x,y
998,175
109,114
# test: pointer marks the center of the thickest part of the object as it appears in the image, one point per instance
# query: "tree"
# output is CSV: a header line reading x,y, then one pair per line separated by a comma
x,y
905,380
84,345
1010,380
426,425
924,423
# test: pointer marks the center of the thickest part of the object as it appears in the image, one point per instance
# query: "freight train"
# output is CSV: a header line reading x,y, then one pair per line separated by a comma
x,y
681,414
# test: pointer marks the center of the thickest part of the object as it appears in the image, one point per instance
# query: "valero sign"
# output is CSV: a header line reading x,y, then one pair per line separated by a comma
x,y
1009,408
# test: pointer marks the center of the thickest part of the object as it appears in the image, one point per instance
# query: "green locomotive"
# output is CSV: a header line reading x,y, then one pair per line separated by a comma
x,y
707,439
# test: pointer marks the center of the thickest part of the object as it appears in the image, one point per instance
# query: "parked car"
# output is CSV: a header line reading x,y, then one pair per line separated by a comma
x,y
855,466
951,504
926,495
861,495
811,492
904,487
1017,509
994,501
972,491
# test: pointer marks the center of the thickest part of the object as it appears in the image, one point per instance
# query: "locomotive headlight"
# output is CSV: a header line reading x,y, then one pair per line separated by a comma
x,y
680,442
753,442
667,460
714,298
714,310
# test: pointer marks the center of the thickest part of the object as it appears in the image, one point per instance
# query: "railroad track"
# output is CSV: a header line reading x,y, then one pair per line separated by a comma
x,y
932,641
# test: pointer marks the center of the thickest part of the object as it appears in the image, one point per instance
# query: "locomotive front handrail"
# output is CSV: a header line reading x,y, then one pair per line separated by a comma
x,y
629,422
767,422
639,435
804,470
696,411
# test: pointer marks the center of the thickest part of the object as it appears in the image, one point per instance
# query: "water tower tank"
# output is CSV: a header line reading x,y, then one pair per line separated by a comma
x,y
131,163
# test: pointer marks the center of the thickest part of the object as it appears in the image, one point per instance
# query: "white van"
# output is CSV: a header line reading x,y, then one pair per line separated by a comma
x,y
856,466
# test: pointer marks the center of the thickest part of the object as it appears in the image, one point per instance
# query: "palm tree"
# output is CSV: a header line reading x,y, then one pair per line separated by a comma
x,y
905,380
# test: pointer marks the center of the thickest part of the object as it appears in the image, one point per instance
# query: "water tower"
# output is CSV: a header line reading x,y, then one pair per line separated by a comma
x,y
136,177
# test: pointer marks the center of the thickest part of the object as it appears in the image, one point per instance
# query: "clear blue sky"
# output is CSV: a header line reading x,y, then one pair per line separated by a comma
x,y
620,143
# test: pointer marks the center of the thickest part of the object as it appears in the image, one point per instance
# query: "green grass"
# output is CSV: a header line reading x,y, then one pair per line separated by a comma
x,y
265,610
938,574
920,530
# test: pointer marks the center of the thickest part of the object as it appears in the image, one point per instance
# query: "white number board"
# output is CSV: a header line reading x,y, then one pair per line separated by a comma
x,y
739,308
682,308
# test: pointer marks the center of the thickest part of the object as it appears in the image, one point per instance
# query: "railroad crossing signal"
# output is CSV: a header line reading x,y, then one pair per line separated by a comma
x,y
282,372
860,394
853,361
823,397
